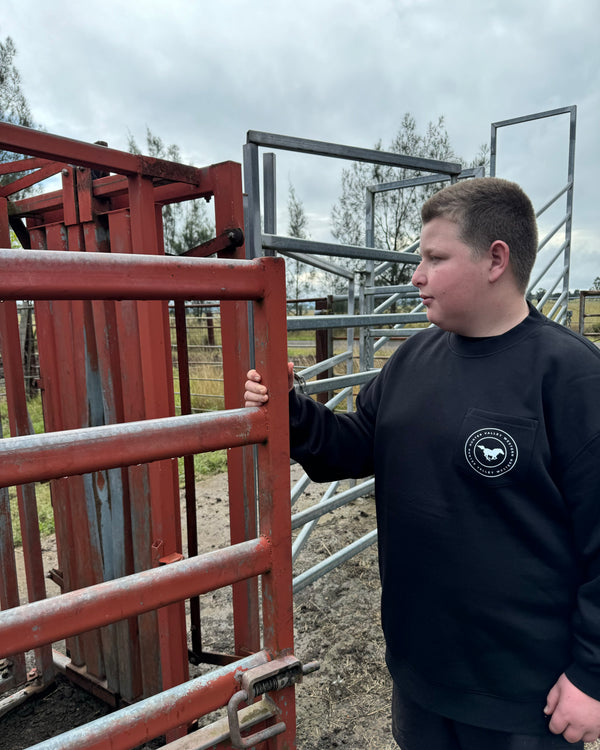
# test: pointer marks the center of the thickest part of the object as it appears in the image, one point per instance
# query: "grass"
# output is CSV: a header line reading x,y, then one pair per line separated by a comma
x,y
42,489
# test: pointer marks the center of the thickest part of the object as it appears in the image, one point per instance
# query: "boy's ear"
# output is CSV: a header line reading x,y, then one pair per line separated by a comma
x,y
499,257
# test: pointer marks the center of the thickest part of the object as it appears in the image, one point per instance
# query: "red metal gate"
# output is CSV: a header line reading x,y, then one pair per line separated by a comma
x,y
101,286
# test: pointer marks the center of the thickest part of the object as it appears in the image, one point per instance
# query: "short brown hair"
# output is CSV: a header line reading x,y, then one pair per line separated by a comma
x,y
488,209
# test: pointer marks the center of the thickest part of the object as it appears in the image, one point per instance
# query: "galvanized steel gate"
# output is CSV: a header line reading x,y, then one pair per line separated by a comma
x,y
101,285
375,323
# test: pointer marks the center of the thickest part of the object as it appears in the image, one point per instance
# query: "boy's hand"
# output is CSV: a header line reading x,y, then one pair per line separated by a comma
x,y
256,393
574,714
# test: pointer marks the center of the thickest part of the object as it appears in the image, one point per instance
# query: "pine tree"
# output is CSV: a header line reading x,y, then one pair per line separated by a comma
x,y
299,276
397,213
14,107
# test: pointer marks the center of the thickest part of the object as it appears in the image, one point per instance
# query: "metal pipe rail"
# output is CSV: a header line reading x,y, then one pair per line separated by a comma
x,y
331,384
345,321
70,151
149,718
325,566
47,274
326,506
312,247
319,263
37,458
550,262
49,620
339,151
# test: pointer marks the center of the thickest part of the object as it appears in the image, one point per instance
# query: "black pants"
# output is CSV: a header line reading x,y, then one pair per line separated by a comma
x,y
415,728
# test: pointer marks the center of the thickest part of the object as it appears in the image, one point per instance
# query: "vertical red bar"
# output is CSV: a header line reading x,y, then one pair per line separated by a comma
x,y
70,343
9,589
108,499
52,323
274,486
185,397
229,214
156,362
89,558
137,514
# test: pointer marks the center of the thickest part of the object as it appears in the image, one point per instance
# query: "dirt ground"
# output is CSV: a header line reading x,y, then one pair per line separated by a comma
x,y
346,704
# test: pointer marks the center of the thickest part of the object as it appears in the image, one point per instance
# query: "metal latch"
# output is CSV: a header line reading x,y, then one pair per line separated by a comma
x,y
274,675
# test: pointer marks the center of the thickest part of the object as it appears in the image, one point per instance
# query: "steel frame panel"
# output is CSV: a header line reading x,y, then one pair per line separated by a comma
x,y
361,286
93,290
30,458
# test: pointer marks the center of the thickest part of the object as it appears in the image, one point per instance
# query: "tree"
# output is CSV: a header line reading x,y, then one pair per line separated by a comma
x,y
596,284
397,212
299,276
13,104
14,107
185,225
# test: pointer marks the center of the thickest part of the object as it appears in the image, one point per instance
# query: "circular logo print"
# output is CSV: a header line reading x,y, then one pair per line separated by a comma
x,y
491,452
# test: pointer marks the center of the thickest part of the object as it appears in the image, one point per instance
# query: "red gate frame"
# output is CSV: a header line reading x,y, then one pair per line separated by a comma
x,y
87,273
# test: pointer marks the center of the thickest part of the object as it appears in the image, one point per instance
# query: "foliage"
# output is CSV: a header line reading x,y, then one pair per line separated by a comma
x,y
185,225
596,284
13,104
14,107
300,276
397,219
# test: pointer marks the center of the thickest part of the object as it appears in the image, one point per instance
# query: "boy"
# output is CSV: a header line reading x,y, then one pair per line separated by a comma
x,y
483,434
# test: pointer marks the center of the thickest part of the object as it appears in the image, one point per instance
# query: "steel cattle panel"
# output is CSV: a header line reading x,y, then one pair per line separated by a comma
x,y
101,289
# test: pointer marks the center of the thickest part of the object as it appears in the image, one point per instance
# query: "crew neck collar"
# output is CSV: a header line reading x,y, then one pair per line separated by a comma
x,y
473,346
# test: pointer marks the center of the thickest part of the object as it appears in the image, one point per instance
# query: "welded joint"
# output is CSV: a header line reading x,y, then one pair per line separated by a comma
x,y
158,558
173,557
227,241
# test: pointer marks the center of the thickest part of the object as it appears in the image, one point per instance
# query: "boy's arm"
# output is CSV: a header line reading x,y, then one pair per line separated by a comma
x,y
328,446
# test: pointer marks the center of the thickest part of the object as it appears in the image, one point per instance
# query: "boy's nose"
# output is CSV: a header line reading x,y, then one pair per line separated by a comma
x,y
418,277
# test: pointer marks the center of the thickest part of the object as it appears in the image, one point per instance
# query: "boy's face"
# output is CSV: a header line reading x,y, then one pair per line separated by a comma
x,y
452,281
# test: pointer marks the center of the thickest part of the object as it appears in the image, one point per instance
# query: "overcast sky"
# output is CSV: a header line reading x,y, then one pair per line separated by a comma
x,y
201,74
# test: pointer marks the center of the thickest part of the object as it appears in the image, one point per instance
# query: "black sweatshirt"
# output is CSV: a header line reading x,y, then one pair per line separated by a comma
x,y
486,455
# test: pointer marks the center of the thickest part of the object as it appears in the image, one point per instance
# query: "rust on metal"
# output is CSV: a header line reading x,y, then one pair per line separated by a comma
x,y
37,458
38,623
56,275
97,273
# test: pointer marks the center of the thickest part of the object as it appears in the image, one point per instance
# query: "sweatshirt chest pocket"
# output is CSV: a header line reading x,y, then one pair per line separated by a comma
x,y
493,448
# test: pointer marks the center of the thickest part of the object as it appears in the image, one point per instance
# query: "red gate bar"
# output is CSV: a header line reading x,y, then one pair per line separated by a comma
x,y
134,725
240,466
35,624
58,148
48,274
270,337
36,458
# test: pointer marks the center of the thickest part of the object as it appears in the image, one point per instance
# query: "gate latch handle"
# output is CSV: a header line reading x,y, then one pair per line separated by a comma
x,y
274,675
